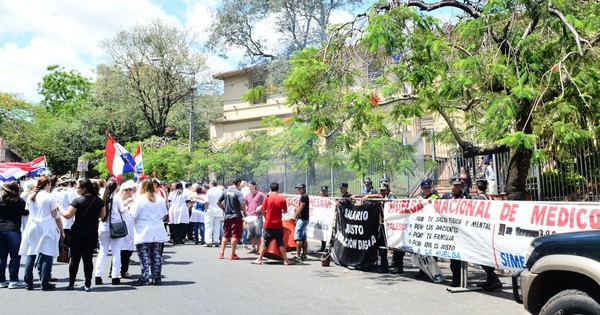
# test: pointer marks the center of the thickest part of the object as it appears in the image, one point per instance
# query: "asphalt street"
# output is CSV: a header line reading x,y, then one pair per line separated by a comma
x,y
195,281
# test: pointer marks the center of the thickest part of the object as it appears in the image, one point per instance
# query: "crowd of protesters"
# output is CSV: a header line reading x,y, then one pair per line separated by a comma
x,y
46,215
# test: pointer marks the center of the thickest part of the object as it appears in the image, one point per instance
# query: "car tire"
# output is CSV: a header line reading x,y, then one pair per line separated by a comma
x,y
571,302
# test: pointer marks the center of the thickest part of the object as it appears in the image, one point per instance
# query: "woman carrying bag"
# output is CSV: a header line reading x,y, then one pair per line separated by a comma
x,y
87,209
114,216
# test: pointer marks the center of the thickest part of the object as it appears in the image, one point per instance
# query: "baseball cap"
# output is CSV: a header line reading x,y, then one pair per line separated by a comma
x,y
343,185
455,181
324,188
481,182
300,186
128,185
383,186
426,183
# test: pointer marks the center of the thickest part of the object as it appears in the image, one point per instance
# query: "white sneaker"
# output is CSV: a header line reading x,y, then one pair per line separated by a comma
x,y
4,284
17,285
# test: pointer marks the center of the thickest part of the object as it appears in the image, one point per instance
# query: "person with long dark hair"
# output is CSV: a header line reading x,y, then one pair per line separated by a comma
x,y
114,214
148,211
179,212
12,208
87,209
41,235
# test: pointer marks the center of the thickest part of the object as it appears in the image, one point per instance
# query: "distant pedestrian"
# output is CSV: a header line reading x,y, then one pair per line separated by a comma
x,y
213,217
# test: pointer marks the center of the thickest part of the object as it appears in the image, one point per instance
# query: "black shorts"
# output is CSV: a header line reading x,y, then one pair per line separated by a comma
x,y
269,234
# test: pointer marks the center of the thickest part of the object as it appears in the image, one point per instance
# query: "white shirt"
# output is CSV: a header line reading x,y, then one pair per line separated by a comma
x,y
115,216
197,215
212,197
148,217
179,212
41,234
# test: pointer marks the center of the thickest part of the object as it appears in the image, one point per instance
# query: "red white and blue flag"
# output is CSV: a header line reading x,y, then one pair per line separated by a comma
x,y
118,160
14,170
139,163
40,166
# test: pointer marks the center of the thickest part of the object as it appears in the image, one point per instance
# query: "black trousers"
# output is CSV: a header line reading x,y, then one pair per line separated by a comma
x,y
83,244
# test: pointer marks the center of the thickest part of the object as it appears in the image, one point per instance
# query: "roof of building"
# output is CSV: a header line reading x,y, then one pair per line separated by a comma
x,y
236,72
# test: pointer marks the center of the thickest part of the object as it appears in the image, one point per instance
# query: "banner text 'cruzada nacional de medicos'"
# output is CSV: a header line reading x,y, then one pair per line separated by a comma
x,y
490,233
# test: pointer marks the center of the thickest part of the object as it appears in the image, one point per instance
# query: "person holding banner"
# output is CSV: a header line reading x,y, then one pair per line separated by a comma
x,y
397,256
492,282
324,193
427,192
302,215
456,193
273,207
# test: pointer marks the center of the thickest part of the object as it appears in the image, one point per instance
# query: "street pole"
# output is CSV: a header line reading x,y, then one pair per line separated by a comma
x,y
192,95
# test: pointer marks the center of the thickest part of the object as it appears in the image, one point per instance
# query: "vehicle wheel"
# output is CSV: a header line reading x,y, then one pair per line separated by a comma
x,y
571,302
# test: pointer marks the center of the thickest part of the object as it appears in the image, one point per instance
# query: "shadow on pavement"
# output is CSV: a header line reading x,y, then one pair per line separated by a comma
x,y
169,262
176,283
110,288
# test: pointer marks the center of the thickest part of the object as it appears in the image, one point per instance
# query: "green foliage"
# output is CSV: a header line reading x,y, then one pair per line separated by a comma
x,y
65,93
258,94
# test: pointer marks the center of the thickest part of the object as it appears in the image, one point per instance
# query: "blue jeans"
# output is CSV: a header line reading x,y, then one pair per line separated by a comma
x,y
9,244
198,226
44,267
300,232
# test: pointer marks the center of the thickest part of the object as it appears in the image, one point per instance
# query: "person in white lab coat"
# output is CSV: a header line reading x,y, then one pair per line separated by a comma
x,y
41,235
148,211
179,212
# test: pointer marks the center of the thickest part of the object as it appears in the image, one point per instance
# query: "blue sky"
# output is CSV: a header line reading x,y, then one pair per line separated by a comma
x,y
37,33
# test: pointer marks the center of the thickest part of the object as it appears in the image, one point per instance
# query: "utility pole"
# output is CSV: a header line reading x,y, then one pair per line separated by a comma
x,y
192,118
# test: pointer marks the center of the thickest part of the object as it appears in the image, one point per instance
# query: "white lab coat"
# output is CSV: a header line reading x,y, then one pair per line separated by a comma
x,y
41,233
148,217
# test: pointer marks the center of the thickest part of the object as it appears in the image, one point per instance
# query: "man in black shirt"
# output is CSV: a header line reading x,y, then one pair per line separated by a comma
x,y
456,193
302,215
492,282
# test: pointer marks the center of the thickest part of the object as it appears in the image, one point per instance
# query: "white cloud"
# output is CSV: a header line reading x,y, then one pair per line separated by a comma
x,y
61,32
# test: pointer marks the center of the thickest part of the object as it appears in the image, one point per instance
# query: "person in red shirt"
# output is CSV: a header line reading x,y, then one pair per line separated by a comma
x,y
273,207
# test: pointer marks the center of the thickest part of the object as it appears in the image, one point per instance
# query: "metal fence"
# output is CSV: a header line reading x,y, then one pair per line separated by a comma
x,y
574,177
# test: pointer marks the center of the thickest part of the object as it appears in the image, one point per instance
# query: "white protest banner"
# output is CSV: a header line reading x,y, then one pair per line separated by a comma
x,y
321,215
490,233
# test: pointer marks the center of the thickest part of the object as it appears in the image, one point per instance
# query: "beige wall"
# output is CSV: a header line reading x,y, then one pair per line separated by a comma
x,y
240,116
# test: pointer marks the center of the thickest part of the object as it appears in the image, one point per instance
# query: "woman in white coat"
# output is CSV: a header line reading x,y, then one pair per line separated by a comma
x,y
148,211
179,212
127,247
41,235
114,213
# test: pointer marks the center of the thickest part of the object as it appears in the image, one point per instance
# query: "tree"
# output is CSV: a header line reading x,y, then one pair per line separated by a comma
x,y
159,69
510,72
65,93
297,23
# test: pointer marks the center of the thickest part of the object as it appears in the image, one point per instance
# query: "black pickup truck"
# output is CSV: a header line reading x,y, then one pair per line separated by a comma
x,y
562,275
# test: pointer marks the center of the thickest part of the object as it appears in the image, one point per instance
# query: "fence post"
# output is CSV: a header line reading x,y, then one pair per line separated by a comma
x,y
538,175
285,175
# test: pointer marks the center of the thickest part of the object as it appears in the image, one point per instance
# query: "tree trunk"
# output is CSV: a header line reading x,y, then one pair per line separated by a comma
x,y
518,170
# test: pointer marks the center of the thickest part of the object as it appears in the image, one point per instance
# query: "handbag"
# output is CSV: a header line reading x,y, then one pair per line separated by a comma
x,y
63,253
117,229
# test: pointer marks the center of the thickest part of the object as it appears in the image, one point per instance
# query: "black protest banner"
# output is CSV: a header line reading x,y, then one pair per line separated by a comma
x,y
355,235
